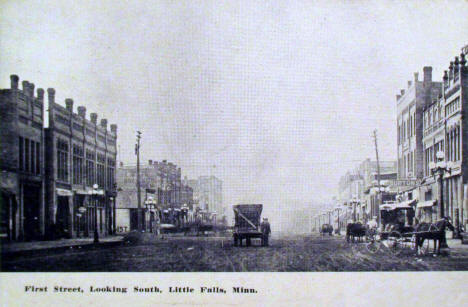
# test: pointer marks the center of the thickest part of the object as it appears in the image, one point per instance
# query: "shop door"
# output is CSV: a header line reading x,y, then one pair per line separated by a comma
x,y
31,205
7,216
62,217
133,219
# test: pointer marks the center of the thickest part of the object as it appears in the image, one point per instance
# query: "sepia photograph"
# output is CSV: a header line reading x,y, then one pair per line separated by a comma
x,y
232,137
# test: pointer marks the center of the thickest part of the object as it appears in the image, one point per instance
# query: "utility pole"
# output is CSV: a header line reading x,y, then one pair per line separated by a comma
x,y
379,198
137,152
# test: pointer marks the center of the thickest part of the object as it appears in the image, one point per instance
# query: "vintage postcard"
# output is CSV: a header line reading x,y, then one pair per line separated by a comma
x,y
233,152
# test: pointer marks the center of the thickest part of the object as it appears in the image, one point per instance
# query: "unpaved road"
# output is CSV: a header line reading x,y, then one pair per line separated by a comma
x,y
197,254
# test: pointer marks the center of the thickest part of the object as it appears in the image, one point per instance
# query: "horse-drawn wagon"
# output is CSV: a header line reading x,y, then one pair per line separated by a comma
x,y
406,225
397,220
326,228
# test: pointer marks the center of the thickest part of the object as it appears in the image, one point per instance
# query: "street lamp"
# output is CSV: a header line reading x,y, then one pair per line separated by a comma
x,y
438,169
81,211
150,204
338,209
354,201
112,213
94,193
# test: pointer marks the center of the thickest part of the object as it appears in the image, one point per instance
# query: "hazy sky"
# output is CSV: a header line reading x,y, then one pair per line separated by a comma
x,y
278,99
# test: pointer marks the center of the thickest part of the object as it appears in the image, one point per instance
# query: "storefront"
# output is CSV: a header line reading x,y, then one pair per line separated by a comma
x,y
8,211
426,211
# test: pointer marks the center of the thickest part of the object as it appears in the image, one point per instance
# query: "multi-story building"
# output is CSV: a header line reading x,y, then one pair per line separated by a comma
x,y
208,194
169,189
445,125
410,105
433,142
127,198
80,154
21,162
358,189
159,180
186,194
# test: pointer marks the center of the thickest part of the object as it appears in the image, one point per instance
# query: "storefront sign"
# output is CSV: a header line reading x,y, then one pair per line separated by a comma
x,y
405,182
63,192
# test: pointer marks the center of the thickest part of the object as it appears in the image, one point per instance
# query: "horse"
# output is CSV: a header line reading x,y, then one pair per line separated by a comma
x,y
326,228
434,231
354,230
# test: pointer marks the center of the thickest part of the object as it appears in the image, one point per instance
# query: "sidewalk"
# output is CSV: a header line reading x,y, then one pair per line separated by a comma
x,y
19,247
457,244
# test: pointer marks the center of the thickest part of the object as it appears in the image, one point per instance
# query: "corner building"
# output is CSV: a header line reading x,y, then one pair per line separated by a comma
x,y
21,162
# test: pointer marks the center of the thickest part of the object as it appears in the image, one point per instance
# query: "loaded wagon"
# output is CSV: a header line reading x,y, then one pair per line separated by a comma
x,y
247,223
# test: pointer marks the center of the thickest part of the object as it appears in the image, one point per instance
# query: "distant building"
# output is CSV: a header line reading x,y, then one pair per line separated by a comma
x,y
358,189
22,206
186,194
208,194
158,180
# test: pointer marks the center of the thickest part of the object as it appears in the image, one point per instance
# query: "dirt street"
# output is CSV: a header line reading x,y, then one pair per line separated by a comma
x,y
195,254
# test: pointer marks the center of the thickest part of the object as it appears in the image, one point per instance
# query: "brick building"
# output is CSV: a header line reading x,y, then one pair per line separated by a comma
x,y
79,154
21,162
358,189
410,105
159,180
445,125
186,194
208,194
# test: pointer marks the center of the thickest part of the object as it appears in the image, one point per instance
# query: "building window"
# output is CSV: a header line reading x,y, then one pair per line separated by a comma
x,y
89,168
62,160
100,167
32,157
21,154
77,164
29,156
26,156
110,173
38,158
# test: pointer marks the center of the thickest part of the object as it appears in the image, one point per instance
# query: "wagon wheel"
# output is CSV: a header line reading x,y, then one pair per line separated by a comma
x,y
395,242
425,247
373,246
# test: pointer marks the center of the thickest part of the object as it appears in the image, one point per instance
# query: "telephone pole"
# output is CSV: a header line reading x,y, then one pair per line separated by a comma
x,y
379,198
137,152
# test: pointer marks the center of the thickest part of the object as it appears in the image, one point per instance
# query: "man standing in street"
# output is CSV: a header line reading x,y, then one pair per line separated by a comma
x,y
372,227
266,230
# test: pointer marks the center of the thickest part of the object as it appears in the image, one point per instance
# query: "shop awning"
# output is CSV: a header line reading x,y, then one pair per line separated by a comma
x,y
7,191
387,207
405,204
426,204
402,205
63,192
